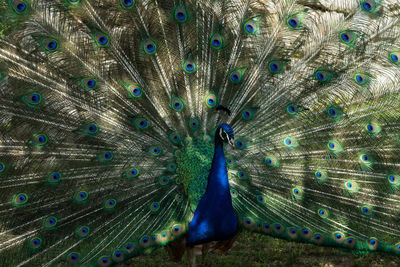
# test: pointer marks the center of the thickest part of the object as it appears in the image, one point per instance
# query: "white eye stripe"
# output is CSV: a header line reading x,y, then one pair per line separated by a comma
x,y
227,136
220,133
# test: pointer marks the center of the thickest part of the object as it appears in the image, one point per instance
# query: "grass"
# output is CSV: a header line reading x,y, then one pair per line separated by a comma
x,y
255,250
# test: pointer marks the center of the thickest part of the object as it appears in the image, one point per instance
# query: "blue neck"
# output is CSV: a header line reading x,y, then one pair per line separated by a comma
x,y
218,177
214,218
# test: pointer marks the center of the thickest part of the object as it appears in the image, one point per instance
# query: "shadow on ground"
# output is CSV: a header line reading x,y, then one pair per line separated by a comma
x,y
257,250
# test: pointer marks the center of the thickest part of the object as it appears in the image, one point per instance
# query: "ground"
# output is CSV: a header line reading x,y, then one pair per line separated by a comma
x,y
258,250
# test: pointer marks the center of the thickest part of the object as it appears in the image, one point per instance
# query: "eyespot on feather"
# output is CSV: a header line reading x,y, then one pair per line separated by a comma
x,y
149,46
127,4
19,6
180,14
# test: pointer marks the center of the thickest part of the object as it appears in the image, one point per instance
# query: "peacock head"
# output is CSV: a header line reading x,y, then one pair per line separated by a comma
x,y
225,133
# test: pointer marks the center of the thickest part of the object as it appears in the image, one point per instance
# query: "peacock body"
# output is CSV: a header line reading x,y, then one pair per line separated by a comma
x,y
114,133
214,217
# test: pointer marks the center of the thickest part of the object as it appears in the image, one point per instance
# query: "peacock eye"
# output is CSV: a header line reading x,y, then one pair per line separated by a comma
x,y
127,3
101,39
176,103
393,179
321,76
293,23
91,83
369,5
189,67
50,44
92,128
39,140
249,28
180,14
291,109
34,98
236,76
345,37
394,57
149,47
21,7
136,91
217,41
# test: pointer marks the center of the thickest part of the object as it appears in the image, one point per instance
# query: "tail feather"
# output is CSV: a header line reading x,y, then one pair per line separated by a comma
x,y
108,109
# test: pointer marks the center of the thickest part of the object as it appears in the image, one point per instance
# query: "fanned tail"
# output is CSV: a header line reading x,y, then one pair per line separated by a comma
x,y
108,111
318,136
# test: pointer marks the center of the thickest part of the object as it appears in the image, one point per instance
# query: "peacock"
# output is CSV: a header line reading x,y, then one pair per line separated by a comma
x,y
128,126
